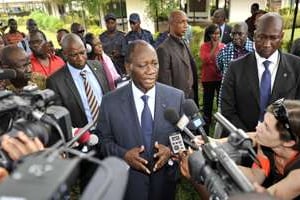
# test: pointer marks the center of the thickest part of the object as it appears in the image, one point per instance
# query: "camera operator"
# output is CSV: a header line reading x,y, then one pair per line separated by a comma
x,y
13,57
277,139
17,147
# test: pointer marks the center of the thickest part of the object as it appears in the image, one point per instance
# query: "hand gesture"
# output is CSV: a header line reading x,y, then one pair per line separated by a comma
x,y
20,146
162,155
133,158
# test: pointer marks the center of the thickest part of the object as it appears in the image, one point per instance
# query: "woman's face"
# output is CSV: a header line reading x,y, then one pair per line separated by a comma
x,y
267,134
97,46
216,35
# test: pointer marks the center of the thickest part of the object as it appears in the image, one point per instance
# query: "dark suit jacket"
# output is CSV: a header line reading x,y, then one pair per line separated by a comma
x,y
240,93
226,38
173,68
119,131
64,86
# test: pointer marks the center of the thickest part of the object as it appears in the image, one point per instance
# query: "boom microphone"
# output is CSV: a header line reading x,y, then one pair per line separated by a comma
x,y
190,109
7,74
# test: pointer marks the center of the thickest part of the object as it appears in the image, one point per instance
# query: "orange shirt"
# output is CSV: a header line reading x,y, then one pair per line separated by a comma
x,y
55,63
13,38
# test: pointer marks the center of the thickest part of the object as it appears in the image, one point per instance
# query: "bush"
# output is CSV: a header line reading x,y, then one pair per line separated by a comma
x,y
47,22
195,44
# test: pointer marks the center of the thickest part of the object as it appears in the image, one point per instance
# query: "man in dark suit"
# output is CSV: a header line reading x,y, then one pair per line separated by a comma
x,y
122,126
219,18
249,85
68,84
177,66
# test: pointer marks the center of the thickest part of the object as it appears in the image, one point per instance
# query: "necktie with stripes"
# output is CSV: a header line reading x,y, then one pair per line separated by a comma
x,y
91,98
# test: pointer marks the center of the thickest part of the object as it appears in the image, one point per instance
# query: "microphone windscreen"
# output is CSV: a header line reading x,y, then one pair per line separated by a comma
x,y
7,74
84,138
93,140
190,107
171,115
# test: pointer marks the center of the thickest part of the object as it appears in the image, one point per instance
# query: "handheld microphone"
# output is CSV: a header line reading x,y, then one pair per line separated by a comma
x,y
190,109
80,133
172,116
86,138
7,74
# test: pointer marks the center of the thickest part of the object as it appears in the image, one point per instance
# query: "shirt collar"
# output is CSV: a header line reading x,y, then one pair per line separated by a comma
x,y
273,58
75,71
138,93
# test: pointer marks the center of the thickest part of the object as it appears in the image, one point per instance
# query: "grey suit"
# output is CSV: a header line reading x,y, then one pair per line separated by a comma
x,y
119,131
240,91
64,86
174,67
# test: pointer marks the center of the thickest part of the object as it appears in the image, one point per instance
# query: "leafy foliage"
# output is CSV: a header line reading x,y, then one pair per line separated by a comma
x,y
161,8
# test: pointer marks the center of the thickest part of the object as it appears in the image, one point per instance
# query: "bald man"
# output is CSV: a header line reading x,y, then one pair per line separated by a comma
x,y
261,77
69,84
176,64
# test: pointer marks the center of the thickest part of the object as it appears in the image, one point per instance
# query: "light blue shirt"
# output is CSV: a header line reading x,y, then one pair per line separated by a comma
x,y
79,82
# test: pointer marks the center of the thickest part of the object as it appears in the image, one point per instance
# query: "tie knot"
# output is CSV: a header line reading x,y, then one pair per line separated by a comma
x,y
83,74
145,98
266,64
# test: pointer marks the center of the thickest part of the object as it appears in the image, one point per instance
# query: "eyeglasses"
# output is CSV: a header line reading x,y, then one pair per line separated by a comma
x,y
281,114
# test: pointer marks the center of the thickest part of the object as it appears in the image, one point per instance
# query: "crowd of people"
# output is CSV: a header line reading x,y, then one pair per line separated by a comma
x,y
242,67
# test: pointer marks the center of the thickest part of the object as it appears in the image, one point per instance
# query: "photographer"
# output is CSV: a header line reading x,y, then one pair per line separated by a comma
x,y
17,147
277,139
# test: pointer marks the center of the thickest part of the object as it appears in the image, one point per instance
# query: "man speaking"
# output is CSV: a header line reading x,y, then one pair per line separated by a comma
x,y
132,126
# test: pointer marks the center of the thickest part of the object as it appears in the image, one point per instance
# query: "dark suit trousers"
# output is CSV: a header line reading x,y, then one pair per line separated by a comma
x,y
210,89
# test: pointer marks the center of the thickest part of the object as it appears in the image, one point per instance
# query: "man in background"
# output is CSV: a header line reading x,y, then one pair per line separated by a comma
x,y
219,18
137,33
114,43
177,66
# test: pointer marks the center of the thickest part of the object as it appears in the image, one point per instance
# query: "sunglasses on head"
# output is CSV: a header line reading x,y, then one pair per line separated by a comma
x,y
281,114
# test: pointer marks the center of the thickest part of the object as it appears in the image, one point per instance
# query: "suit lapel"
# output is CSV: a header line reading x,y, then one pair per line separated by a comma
x,y
282,79
252,73
72,87
100,76
128,111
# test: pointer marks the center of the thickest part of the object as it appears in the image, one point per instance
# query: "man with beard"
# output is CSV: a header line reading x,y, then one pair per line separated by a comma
x,y
114,43
13,57
177,66
43,59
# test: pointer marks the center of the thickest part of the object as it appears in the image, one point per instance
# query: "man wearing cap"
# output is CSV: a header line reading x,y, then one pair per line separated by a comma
x,y
114,43
137,33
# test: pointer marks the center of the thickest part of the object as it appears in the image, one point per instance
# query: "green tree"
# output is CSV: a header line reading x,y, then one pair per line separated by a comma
x,y
160,9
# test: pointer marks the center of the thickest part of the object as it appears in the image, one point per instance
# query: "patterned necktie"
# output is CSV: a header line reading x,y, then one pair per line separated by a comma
x,y
91,98
265,89
146,123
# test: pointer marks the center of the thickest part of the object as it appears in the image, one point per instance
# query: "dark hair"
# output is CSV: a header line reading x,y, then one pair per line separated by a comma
x,y
74,27
255,5
209,30
6,53
41,32
293,111
131,49
62,30
11,20
89,37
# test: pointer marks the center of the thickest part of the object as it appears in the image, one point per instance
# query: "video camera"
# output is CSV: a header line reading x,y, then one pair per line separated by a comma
x,y
32,112
214,167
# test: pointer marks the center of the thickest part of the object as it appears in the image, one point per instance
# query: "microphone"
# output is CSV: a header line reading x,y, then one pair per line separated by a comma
x,y
190,109
80,133
172,116
7,74
86,138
